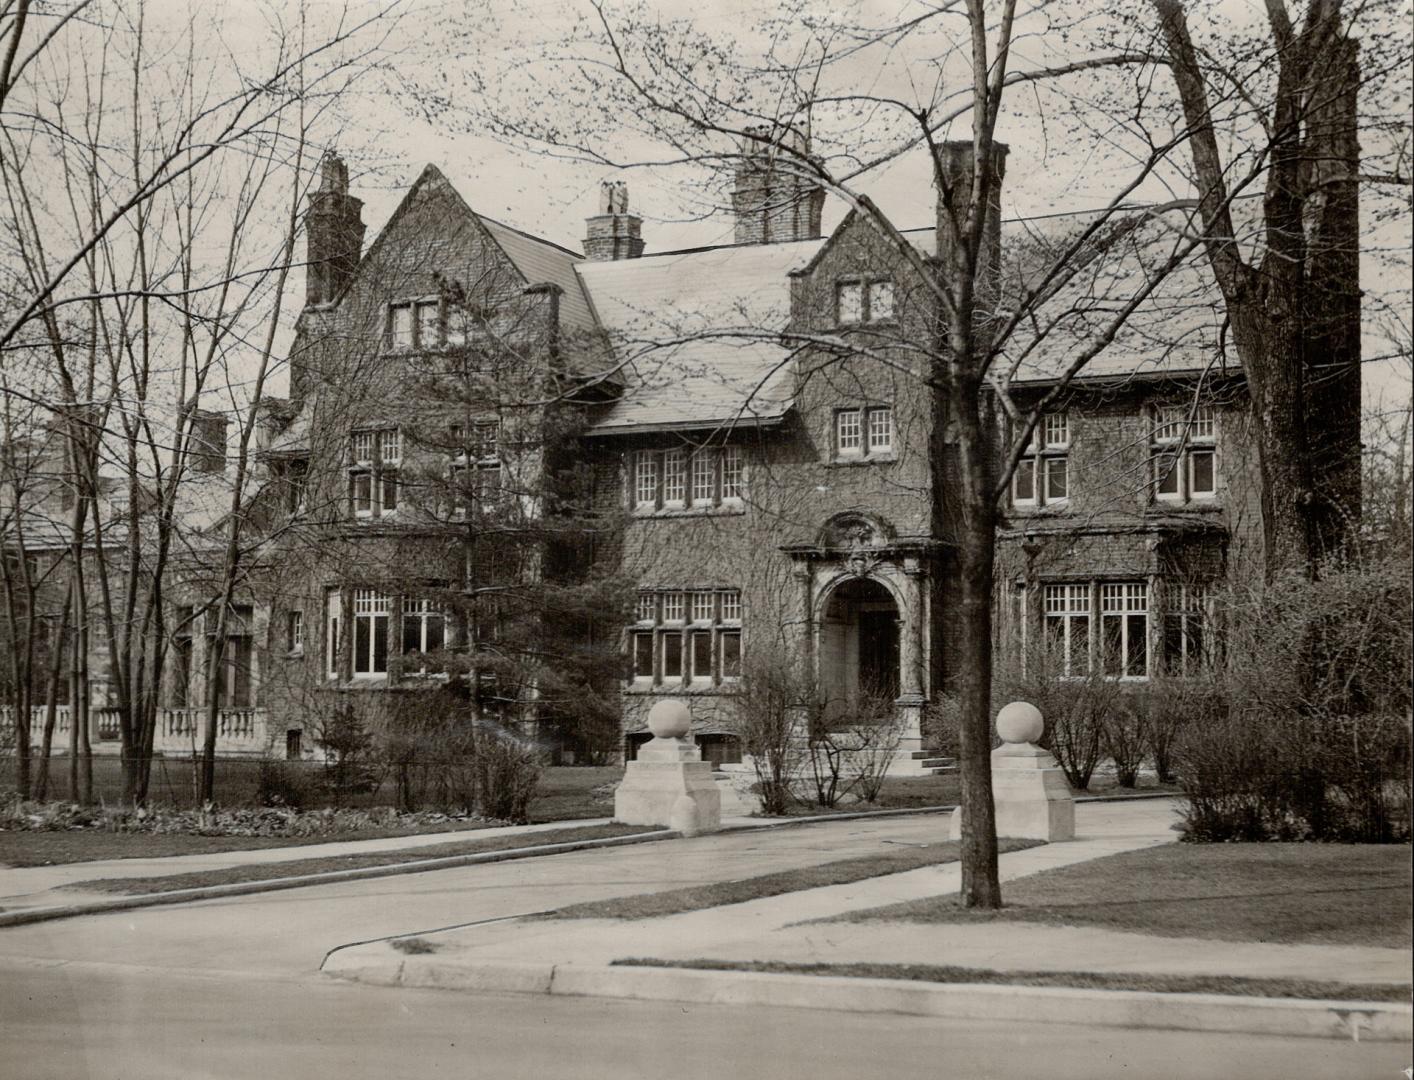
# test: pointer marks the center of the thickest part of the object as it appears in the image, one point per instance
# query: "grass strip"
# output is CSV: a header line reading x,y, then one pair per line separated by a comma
x,y
718,894
301,867
1316,894
1304,989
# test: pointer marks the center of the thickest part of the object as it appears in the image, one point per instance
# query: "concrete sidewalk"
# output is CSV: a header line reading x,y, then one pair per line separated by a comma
x,y
575,956
23,887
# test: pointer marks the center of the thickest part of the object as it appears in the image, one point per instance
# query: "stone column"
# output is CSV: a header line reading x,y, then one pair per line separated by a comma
x,y
912,659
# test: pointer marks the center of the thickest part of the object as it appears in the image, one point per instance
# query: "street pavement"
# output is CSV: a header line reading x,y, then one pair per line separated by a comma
x,y
231,988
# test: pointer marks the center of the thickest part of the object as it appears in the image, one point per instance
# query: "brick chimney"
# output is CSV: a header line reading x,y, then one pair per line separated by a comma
x,y
774,200
333,230
206,444
613,233
955,168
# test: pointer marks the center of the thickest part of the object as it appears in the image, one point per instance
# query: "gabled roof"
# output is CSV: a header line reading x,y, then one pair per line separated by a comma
x,y
686,326
537,260
542,261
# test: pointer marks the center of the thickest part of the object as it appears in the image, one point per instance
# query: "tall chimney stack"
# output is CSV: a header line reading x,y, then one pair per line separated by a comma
x,y
206,446
333,232
613,233
774,198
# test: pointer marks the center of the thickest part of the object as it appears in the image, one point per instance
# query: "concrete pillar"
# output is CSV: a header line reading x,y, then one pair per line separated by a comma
x,y
669,784
1032,798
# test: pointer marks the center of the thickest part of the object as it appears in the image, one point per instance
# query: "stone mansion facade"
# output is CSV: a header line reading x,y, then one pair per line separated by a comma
x,y
759,445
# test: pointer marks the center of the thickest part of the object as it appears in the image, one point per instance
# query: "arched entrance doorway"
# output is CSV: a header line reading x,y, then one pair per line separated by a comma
x,y
859,642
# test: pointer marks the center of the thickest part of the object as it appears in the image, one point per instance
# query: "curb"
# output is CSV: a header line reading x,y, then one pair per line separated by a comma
x,y
25,917
1369,1021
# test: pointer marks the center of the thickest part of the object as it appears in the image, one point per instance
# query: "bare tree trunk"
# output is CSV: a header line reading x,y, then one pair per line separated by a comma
x,y
56,665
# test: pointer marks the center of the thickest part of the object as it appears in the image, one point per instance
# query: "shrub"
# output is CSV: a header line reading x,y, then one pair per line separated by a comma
x,y
1305,736
874,737
775,703
507,772
1173,704
349,763
1126,735
279,783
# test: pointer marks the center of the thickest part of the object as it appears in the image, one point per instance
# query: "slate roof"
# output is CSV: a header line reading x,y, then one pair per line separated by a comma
x,y
686,326
541,261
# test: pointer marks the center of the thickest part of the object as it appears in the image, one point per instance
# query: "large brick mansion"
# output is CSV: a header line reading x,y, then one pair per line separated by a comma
x,y
761,486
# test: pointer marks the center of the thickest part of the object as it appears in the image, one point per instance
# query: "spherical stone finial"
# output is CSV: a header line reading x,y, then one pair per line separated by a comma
x,y
1020,722
669,719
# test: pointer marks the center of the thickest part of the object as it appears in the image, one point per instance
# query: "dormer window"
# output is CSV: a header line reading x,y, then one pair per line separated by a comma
x,y
1042,476
374,457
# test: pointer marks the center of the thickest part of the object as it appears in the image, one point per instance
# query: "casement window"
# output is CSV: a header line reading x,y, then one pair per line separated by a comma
x,y
474,471
414,324
679,479
1124,630
234,683
424,631
1186,642
1068,628
865,432
333,612
1184,453
294,631
863,302
370,644
374,457
1042,476
690,638
1121,648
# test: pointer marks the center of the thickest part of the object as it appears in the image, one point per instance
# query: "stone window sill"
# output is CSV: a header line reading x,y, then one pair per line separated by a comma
x,y
722,510
855,462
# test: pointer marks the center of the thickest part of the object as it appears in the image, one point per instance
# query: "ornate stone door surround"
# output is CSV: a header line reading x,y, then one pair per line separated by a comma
x,y
853,545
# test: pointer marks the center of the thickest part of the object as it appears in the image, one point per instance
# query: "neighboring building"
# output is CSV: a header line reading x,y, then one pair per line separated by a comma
x,y
761,491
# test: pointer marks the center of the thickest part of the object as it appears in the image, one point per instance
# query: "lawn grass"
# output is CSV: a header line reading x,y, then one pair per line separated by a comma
x,y
1326,894
1305,989
945,789
300,867
718,894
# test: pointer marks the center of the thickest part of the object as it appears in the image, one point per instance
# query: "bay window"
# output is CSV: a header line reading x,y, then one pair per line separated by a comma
x,y
1118,610
370,640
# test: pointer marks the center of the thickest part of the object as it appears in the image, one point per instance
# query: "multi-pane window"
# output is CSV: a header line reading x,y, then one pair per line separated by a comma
x,y
374,457
1124,630
474,472
294,631
370,645
861,302
849,432
1068,628
1042,475
1184,453
424,631
1186,642
674,478
1121,648
879,424
690,638
677,479
414,324
861,432
333,613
